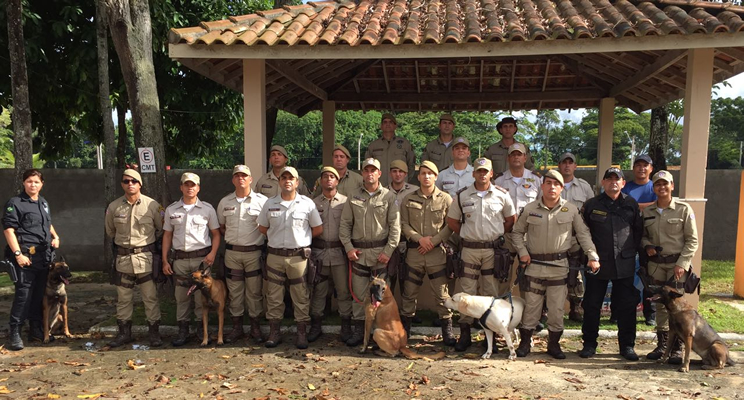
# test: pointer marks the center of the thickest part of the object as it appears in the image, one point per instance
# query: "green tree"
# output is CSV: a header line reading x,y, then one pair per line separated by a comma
x,y
727,119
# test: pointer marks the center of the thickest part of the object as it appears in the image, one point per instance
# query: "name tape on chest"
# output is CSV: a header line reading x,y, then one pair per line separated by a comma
x,y
599,212
532,214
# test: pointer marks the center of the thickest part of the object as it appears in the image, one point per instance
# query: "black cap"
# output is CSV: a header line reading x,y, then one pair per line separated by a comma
x,y
645,158
506,120
613,171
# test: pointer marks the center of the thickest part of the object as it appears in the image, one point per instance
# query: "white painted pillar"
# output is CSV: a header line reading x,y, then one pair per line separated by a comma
x,y
604,137
254,116
329,131
698,87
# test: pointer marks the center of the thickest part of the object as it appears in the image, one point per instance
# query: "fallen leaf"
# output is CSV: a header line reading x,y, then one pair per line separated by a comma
x,y
53,396
5,390
225,357
425,380
471,373
574,380
134,365
227,385
34,389
262,398
163,379
76,364
408,368
311,386
90,396
540,362
280,391
624,397
442,387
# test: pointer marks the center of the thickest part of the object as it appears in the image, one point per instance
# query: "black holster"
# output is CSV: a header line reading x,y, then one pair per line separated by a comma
x,y
311,269
453,259
521,279
113,276
575,261
9,267
157,269
394,264
502,262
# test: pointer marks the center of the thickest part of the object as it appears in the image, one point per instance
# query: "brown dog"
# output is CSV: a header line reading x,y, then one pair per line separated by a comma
x,y
55,299
213,296
695,332
382,310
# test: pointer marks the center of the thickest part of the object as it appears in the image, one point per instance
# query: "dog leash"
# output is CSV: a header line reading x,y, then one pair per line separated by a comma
x,y
351,289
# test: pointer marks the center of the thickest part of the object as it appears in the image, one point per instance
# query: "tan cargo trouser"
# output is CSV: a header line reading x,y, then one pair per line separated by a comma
x,y
361,277
148,290
549,290
244,282
278,270
183,269
340,276
662,273
477,260
437,282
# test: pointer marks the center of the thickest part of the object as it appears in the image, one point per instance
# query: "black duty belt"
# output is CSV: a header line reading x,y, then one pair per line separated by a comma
x,y
242,249
123,251
550,257
668,259
323,244
369,245
182,255
412,245
286,252
481,245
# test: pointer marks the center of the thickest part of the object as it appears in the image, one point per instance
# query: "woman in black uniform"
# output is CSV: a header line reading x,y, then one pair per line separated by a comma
x,y
31,239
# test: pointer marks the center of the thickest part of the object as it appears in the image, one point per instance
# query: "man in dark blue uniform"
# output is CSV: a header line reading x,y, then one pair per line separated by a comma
x,y
616,227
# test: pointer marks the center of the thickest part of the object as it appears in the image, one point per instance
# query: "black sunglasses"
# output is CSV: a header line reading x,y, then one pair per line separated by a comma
x,y
128,181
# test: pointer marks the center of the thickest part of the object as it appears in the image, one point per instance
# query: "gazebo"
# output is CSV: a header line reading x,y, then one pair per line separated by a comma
x,y
479,55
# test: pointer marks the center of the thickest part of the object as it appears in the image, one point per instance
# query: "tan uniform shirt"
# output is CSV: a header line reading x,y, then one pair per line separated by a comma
x,y
577,192
548,231
438,153
290,222
330,212
674,230
402,193
484,216
241,228
369,218
425,216
134,225
399,148
191,229
268,185
523,190
451,180
350,181
499,153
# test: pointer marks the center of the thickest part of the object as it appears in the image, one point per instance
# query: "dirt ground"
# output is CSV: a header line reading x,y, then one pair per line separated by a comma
x,y
329,369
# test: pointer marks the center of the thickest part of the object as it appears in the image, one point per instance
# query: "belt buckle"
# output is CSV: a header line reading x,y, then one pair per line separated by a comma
x,y
32,250
137,250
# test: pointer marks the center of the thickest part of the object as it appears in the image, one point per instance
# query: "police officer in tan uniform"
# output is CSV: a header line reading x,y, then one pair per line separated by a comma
x,y
398,185
349,180
329,252
268,184
498,152
191,228
135,222
390,147
289,221
422,221
670,240
439,150
577,191
237,214
481,214
460,174
369,231
548,224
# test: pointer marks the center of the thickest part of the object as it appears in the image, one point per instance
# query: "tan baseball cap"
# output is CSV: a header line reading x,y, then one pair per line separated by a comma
x,y
517,147
555,175
665,175
430,165
343,149
390,117
400,164
461,140
566,156
190,177
331,170
371,161
280,149
291,170
132,174
482,163
241,169
447,117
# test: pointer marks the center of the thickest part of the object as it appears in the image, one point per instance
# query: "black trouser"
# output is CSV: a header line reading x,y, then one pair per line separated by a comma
x,y
29,292
625,299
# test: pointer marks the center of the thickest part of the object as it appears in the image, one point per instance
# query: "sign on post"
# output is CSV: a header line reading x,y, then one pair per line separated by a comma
x,y
147,159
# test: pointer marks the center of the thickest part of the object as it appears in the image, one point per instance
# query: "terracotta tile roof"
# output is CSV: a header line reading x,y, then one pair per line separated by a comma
x,y
377,22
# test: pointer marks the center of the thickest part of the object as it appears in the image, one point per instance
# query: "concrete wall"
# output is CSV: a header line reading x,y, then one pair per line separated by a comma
x,y
77,208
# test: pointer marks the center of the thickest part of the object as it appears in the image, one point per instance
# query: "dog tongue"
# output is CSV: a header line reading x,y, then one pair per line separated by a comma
x,y
65,280
191,290
375,303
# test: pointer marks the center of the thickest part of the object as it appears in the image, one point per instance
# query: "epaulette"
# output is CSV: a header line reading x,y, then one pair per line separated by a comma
x,y
497,176
500,188
537,174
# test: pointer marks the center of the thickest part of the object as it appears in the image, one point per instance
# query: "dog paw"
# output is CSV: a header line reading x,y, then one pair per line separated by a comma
x,y
512,356
46,340
684,369
363,350
486,355
220,343
68,335
204,344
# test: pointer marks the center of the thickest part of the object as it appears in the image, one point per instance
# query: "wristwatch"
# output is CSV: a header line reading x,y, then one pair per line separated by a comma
x,y
17,253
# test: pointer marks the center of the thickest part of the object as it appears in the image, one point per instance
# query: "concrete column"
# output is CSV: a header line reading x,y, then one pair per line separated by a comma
x,y
739,268
329,131
604,137
254,116
698,86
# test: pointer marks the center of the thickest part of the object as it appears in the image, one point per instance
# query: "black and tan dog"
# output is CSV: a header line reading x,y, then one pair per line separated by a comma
x,y
695,332
55,299
213,297
382,311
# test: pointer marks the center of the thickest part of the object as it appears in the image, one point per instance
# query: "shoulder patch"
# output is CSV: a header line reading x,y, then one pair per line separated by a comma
x,y
9,209
564,209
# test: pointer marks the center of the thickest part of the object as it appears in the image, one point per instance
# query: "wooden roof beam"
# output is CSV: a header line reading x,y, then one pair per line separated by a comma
x,y
436,97
298,79
203,69
732,52
662,63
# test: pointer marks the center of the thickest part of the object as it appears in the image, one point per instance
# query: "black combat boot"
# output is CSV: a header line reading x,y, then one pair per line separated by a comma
x,y
301,341
183,334
125,334
237,330
256,331
275,334
661,345
316,329
357,337
448,338
406,321
154,334
675,356
345,333
464,342
35,331
14,338
525,342
554,345
575,312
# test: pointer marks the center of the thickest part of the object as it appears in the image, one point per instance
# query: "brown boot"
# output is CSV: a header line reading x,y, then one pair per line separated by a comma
x,y
183,334
154,334
661,344
345,333
357,337
316,329
575,312
275,336
237,330
525,342
554,345
125,334
675,356
464,342
256,331
301,341
448,338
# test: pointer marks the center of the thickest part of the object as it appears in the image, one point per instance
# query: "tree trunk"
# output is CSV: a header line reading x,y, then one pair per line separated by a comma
x,y
121,146
131,30
109,144
21,116
659,137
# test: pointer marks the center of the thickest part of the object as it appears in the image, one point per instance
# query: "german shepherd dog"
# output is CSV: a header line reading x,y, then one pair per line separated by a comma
x,y
213,296
695,332
55,299
382,310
